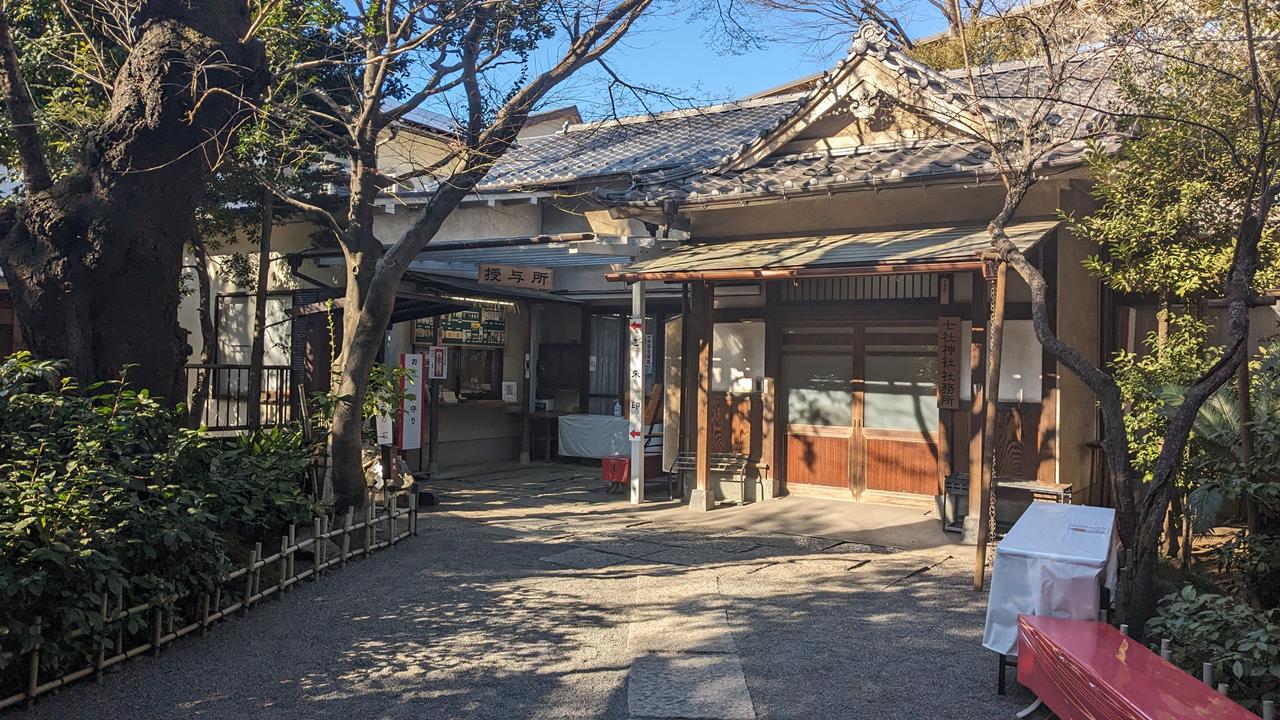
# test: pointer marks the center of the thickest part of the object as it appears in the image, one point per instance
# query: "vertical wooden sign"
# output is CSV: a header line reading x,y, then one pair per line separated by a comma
x,y
948,363
411,405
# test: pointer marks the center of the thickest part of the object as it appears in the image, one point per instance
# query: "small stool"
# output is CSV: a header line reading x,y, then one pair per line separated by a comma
x,y
616,472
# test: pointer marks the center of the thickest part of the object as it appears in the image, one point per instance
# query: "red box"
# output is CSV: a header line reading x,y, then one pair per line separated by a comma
x,y
616,469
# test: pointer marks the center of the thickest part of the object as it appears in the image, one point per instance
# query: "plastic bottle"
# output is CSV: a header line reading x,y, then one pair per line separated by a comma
x,y
617,408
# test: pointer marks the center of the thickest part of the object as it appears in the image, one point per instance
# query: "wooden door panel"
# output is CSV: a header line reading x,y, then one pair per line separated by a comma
x,y
818,459
896,464
735,423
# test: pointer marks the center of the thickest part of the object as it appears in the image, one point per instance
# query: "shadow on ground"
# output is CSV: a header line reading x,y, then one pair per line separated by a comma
x,y
515,603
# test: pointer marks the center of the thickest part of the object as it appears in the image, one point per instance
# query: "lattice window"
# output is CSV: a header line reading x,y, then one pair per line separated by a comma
x,y
862,287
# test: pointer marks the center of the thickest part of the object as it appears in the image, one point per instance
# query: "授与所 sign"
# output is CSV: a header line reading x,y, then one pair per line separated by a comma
x,y
532,278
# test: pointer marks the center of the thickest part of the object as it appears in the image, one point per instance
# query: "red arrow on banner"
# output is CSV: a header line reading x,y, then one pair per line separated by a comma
x,y
635,434
636,326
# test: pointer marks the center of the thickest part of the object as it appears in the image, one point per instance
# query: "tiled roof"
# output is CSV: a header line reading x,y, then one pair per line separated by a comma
x,y
1010,85
688,155
873,247
666,143
870,167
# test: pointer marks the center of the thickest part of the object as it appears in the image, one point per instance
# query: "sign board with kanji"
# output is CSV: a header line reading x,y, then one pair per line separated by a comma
x,y
635,394
531,278
411,405
465,327
437,362
949,330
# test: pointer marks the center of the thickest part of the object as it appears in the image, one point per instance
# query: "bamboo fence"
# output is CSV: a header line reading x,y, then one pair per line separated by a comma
x,y
237,590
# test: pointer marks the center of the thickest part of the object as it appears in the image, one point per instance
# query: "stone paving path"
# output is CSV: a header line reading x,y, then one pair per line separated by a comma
x,y
531,594
685,663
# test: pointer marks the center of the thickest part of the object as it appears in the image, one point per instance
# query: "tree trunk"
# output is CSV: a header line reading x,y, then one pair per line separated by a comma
x,y
1140,594
1173,526
368,324
93,261
200,393
258,349
1245,405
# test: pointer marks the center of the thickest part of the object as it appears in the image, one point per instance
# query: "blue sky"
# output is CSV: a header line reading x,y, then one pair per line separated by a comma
x,y
677,51
669,47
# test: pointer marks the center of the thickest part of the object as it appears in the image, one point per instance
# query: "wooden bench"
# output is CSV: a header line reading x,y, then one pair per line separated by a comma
x,y
732,464
1037,490
1083,669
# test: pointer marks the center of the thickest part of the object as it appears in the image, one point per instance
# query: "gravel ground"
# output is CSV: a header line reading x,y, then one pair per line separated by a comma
x,y
514,602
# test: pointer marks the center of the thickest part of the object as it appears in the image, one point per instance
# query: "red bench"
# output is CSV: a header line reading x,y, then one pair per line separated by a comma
x,y
1089,670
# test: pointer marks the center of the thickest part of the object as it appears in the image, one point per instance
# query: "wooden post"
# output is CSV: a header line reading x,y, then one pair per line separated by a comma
x,y
119,627
283,565
157,617
433,410
979,310
702,313
315,548
346,537
995,270
293,541
33,677
102,651
205,602
257,568
248,583
413,513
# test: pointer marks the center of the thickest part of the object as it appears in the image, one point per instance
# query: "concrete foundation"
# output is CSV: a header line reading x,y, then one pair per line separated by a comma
x,y
701,499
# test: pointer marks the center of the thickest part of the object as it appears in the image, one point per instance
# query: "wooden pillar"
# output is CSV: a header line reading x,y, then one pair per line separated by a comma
x,y
584,336
995,271
979,312
703,496
772,427
635,390
433,410
534,330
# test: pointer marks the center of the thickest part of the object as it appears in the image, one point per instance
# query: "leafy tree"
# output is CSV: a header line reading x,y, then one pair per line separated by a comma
x,y
1195,64
277,150
469,59
1175,357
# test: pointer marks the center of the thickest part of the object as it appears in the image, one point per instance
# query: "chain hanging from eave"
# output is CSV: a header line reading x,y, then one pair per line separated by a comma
x,y
991,455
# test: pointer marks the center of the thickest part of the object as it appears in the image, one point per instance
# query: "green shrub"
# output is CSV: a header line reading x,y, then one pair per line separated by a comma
x,y
1252,564
1243,643
102,492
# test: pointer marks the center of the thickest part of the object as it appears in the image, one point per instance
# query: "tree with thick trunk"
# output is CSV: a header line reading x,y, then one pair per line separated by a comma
x,y
93,255
463,48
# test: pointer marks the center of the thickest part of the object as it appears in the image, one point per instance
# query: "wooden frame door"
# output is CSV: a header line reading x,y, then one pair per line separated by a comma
x,y
858,406
821,402
901,423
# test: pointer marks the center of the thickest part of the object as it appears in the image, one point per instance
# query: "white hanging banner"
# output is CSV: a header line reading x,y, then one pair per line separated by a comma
x,y
411,405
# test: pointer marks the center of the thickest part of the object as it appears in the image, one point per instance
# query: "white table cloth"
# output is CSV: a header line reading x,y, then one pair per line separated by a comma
x,y
594,436
1052,562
